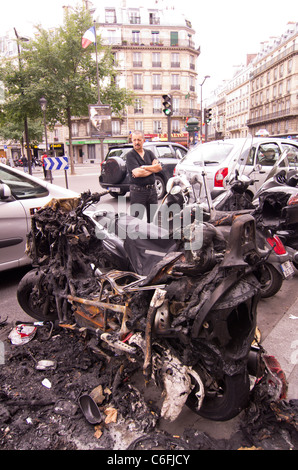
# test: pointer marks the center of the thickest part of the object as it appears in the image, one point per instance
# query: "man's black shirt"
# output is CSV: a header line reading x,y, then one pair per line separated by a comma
x,y
134,160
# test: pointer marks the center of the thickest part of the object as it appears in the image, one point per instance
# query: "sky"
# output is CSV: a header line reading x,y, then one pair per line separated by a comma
x,y
226,30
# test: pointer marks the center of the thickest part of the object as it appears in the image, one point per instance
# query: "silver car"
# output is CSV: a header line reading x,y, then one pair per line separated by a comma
x,y
218,159
20,196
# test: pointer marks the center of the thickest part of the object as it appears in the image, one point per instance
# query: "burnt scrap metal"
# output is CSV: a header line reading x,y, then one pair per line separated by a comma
x,y
188,325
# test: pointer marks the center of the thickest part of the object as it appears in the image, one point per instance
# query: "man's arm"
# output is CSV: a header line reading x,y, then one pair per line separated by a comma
x,y
146,170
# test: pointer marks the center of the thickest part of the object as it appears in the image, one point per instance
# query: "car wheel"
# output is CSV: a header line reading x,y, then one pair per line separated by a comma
x,y
160,187
114,170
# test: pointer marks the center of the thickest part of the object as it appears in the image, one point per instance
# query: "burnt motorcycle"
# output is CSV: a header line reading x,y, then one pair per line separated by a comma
x,y
184,311
221,211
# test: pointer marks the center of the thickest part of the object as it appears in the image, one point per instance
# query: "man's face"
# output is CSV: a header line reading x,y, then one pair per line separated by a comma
x,y
137,142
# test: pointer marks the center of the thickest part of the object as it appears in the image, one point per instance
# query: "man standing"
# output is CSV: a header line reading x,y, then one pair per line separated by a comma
x,y
142,164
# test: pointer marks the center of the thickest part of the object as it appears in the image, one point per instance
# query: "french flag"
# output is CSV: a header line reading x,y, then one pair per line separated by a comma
x,y
89,37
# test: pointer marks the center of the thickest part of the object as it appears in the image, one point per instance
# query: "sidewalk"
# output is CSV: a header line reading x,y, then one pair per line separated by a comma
x,y
282,343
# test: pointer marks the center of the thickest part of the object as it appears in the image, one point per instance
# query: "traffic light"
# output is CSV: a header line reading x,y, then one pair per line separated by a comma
x,y
207,115
167,105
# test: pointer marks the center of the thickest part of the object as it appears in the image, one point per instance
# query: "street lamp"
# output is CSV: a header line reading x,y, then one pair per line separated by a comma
x,y
43,104
201,85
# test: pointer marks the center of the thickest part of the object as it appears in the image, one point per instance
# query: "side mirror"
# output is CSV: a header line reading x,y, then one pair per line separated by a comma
x,y
5,192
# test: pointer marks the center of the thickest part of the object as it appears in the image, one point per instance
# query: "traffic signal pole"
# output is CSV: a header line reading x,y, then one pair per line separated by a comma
x,y
169,128
167,109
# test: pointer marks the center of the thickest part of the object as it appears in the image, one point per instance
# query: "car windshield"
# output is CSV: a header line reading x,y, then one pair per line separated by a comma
x,y
21,187
209,154
118,152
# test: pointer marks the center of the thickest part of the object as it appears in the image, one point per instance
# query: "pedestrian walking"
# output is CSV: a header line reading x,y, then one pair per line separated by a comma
x,y
142,166
43,165
25,164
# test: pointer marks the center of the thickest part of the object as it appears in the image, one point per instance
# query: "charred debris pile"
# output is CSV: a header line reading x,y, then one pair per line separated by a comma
x,y
42,381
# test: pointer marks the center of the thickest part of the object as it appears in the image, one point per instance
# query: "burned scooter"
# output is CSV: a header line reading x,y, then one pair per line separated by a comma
x,y
221,211
189,321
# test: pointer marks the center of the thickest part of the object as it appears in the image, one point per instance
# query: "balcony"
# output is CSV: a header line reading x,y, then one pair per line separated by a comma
x,y
145,42
269,117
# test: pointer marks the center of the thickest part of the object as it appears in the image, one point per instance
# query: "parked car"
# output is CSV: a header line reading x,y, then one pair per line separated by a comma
x,y
114,175
20,196
218,159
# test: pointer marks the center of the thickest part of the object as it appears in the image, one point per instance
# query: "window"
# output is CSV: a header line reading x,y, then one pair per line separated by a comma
x,y
292,153
175,82
136,37
192,64
137,81
156,60
115,128
156,81
139,126
134,16
112,36
157,127
268,78
175,125
164,151
174,38
138,108
110,15
176,103
157,106
274,92
288,86
20,186
91,152
155,37
268,154
290,65
75,129
175,59
137,59
154,17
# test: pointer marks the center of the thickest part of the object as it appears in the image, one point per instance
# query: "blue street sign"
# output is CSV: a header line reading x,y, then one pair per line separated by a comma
x,y
56,163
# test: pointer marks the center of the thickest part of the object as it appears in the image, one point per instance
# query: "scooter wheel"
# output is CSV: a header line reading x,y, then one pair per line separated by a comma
x,y
34,299
271,281
227,402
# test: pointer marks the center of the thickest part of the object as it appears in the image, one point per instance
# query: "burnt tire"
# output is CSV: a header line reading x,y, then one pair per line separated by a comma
x,y
230,399
33,300
271,281
114,170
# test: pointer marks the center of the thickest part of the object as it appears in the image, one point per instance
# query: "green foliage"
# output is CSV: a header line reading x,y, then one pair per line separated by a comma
x,y
54,65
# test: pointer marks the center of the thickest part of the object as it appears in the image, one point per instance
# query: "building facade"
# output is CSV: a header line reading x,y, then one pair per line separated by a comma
x,y
262,96
155,54
274,87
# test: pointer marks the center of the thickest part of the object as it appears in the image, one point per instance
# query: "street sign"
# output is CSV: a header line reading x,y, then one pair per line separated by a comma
x,y
56,163
100,118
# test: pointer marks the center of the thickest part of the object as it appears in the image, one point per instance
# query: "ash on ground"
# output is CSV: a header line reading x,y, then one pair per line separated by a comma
x,y
40,407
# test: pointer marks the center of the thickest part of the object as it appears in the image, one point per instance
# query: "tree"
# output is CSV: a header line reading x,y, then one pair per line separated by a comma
x,y
57,67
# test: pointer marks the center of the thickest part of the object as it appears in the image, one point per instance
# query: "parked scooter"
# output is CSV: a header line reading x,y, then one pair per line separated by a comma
x,y
221,212
187,314
276,206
